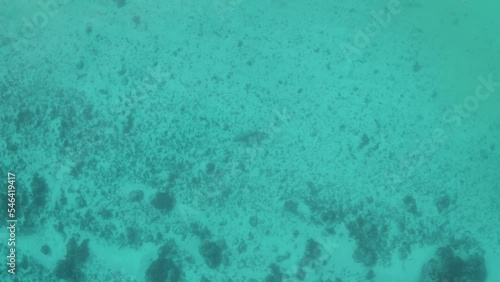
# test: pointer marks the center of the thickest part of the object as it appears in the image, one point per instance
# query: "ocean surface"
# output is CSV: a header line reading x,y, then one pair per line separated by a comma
x,y
249,141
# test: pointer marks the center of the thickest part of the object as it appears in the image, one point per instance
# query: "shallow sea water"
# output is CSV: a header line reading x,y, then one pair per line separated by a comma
x,y
235,140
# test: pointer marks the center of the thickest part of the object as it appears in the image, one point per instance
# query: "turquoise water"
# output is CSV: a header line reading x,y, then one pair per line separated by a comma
x,y
250,141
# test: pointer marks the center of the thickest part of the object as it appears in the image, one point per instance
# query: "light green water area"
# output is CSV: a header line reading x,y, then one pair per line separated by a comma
x,y
236,140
